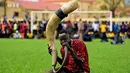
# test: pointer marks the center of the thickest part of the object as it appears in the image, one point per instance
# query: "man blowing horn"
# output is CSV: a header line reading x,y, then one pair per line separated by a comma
x,y
77,56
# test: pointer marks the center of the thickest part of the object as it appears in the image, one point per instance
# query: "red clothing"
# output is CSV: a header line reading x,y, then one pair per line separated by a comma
x,y
3,27
10,27
81,51
24,27
69,25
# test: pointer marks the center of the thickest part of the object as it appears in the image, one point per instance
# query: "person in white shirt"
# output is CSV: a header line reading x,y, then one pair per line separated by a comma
x,y
95,27
17,35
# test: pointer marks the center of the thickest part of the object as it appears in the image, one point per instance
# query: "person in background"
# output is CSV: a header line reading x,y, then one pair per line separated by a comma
x,y
29,35
123,29
41,26
17,35
0,29
128,30
85,26
38,35
90,30
75,28
117,39
87,36
7,31
5,18
95,26
59,30
35,29
3,29
115,27
26,28
111,35
10,25
103,31
27,16
69,28
89,26
15,27
108,26
23,29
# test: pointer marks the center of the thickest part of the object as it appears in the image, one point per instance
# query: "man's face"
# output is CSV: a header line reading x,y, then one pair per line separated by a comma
x,y
62,41
65,41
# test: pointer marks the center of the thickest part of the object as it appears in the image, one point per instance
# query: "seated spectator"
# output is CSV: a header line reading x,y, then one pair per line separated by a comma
x,y
87,37
117,39
122,34
111,35
29,35
91,34
17,35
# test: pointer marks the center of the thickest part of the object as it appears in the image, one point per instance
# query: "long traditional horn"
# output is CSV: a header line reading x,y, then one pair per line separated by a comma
x,y
53,23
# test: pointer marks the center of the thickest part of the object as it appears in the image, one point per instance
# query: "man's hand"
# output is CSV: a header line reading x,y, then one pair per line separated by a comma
x,y
76,58
79,61
67,45
49,49
58,58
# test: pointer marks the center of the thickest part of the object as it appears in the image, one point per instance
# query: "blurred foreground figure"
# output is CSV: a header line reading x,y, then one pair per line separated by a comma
x,y
77,59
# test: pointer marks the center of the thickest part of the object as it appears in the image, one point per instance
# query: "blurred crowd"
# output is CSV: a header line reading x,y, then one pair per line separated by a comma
x,y
90,30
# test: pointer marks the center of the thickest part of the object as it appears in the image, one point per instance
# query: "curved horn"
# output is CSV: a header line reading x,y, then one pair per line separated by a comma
x,y
53,23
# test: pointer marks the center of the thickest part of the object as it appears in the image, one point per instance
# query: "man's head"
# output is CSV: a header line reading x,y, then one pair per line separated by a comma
x,y
64,38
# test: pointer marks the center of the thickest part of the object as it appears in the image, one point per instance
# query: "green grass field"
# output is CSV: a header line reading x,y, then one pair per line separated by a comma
x,y
31,56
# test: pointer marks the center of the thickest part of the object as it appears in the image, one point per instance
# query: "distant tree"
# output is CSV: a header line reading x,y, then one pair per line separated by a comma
x,y
104,7
113,5
1,3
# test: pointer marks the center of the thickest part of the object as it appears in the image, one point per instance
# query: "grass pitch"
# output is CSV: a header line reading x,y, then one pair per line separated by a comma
x,y
31,56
